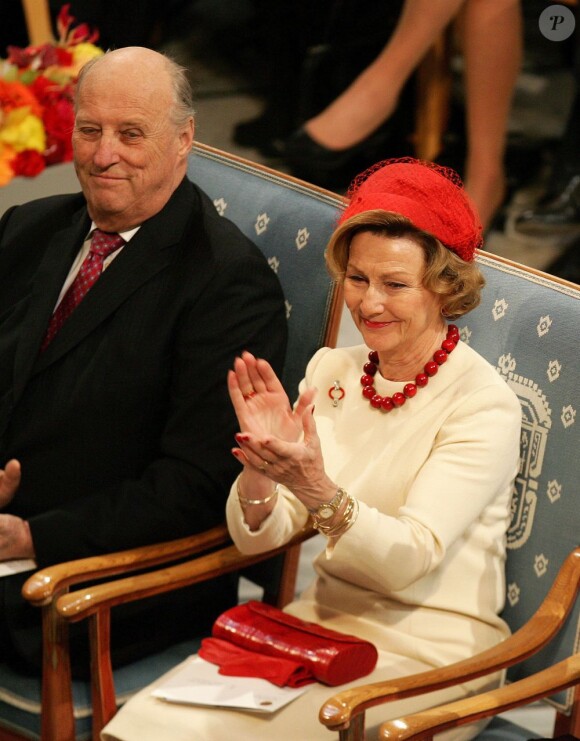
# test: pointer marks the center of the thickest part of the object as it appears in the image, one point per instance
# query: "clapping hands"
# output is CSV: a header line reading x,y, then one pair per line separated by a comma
x,y
277,441
260,402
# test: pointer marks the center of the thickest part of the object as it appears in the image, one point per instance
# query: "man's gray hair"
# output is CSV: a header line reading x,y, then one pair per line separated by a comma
x,y
182,94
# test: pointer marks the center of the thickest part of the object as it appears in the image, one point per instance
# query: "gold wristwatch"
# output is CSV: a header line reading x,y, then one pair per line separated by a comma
x,y
327,510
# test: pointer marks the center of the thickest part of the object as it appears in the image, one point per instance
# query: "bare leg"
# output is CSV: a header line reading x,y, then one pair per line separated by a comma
x,y
373,96
492,49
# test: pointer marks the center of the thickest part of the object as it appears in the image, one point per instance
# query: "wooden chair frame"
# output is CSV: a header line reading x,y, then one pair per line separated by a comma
x,y
345,712
50,590
422,726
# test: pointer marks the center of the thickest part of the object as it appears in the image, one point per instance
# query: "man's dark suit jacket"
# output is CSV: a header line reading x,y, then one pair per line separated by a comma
x,y
123,425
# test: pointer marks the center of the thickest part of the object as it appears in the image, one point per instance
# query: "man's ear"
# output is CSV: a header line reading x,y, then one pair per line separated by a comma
x,y
186,138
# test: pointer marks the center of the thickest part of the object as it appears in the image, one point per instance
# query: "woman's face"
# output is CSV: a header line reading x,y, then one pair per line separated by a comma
x,y
384,292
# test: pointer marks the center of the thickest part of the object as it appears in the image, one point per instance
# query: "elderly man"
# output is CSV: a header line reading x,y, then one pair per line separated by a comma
x,y
121,310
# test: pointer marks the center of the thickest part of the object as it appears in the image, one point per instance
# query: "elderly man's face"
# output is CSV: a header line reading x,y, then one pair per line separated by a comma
x,y
129,155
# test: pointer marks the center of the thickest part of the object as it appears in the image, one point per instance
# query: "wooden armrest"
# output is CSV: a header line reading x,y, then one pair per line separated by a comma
x,y
42,586
95,602
338,712
459,713
82,603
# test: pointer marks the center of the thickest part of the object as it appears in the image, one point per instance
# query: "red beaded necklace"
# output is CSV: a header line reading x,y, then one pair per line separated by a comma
x,y
386,403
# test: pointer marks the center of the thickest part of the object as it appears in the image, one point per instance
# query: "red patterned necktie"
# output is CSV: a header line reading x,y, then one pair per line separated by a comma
x,y
102,245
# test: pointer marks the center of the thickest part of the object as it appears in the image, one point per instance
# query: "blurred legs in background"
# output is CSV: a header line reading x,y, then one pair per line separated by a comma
x,y
491,40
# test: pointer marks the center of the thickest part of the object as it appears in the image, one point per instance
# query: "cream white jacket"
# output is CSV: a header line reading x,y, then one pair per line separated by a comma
x,y
425,557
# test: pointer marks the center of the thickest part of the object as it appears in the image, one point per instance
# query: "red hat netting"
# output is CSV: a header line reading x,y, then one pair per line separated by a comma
x,y
430,196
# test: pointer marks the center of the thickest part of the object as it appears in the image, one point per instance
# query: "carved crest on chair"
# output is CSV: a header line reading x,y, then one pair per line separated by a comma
x,y
536,424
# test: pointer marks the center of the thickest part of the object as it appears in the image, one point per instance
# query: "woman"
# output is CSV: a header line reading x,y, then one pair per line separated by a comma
x,y
409,477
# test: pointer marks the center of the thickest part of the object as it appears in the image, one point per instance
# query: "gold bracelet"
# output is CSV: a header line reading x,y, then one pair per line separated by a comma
x,y
344,525
246,501
348,518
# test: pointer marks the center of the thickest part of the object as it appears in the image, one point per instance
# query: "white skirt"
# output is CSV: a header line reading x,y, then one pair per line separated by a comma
x,y
147,718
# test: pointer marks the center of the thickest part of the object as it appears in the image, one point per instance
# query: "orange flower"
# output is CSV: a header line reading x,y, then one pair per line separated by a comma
x,y
6,157
16,95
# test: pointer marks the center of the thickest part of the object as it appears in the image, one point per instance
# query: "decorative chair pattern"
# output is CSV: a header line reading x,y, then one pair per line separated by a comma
x,y
535,347
291,222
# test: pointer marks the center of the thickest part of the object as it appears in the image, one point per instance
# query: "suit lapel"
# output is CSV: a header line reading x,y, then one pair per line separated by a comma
x,y
150,251
52,272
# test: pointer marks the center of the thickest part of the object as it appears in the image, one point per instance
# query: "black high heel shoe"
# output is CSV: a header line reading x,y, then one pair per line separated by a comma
x,y
265,133
558,212
334,169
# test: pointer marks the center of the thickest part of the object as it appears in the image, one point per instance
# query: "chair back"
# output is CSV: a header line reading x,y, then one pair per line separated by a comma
x,y
528,328
291,222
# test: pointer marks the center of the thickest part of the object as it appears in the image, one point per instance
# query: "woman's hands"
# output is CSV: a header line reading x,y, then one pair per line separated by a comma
x,y
277,443
260,402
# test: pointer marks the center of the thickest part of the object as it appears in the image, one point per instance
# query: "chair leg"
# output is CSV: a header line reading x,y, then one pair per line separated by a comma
x,y
102,683
565,724
57,704
288,576
356,730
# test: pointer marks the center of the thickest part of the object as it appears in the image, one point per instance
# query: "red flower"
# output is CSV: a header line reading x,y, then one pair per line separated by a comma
x,y
40,57
48,92
28,163
58,122
74,36
53,55
64,57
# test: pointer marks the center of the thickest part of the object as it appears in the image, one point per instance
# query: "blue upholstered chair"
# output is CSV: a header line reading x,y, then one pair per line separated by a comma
x,y
528,328
291,223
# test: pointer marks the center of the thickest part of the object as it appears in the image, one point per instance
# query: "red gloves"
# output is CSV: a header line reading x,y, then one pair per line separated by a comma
x,y
234,661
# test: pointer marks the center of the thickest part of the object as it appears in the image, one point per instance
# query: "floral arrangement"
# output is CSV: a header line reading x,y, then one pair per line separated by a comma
x,y
36,99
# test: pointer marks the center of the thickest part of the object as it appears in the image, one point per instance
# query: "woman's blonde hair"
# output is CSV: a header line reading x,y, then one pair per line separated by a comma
x,y
457,281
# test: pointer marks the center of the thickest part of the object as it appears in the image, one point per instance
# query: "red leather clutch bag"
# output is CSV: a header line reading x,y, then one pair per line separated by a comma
x,y
331,657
